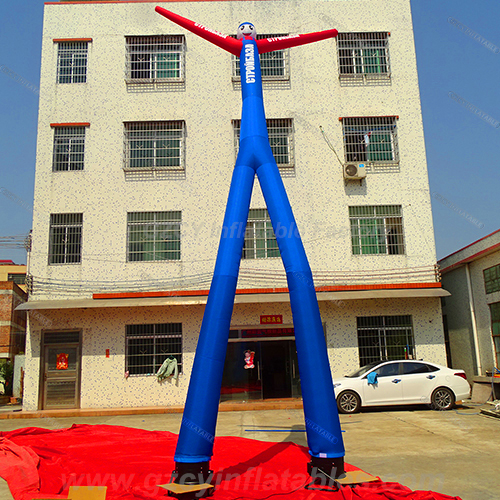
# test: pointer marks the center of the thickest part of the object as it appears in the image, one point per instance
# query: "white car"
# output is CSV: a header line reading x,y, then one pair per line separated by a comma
x,y
403,382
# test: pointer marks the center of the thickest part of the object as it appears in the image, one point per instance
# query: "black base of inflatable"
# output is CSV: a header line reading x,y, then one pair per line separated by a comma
x,y
326,469
192,474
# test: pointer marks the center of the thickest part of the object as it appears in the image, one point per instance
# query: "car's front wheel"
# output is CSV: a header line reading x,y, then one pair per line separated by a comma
x,y
348,402
442,399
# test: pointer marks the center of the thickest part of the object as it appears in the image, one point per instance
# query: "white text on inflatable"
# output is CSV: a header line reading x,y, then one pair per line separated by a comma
x,y
276,38
211,31
250,63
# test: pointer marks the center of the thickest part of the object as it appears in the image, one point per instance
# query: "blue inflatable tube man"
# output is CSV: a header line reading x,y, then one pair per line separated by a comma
x,y
196,438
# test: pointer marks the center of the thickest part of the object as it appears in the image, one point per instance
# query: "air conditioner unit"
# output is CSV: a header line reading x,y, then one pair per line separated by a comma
x,y
354,171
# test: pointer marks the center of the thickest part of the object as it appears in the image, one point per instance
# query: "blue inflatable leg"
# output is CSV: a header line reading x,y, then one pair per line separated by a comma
x,y
324,435
196,436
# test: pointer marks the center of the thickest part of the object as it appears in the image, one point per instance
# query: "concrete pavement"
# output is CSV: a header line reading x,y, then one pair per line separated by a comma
x,y
454,452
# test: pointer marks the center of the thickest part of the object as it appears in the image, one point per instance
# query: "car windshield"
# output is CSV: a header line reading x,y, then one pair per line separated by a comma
x,y
361,371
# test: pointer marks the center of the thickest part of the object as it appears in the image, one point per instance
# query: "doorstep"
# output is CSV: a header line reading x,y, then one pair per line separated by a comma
x,y
268,404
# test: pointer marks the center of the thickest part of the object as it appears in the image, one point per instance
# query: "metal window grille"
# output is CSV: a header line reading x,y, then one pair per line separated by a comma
x,y
65,239
18,278
492,279
274,65
385,338
260,240
72,62
363,54
148,346
280,131
377,230
152,59
69,148
155,145
154,236
370,139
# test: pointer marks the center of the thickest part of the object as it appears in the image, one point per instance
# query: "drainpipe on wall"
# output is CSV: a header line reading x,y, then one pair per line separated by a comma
x,y
473,318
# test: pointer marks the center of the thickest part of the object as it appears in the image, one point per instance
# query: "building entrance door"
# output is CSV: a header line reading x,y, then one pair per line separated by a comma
x,y
272,374
276,370
60,372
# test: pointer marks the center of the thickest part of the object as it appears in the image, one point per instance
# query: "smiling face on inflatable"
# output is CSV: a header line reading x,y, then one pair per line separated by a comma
x,y
246,29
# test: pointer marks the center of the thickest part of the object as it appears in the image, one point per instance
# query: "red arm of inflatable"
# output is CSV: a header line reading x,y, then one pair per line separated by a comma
x,y
223,41
285,42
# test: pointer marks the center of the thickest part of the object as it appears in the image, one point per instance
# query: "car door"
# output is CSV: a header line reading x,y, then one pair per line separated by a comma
x,y
387,390
418,380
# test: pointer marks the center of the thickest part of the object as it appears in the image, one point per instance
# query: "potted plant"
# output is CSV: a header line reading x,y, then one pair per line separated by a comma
x,y
6,377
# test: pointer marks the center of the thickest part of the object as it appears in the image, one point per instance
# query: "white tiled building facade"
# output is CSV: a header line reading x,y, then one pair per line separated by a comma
x,y
137,138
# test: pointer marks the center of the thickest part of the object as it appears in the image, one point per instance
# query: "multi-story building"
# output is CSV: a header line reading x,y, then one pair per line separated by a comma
x,y
138,134
472,313
9,271
12,322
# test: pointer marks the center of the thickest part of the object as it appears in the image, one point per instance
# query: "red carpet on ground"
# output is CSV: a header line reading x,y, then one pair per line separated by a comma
x,y
41,463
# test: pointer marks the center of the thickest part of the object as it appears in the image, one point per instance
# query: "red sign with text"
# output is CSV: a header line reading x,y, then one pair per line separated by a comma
x,y
271,319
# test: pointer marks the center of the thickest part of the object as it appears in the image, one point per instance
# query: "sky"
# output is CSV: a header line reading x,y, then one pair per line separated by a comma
x,y
458,57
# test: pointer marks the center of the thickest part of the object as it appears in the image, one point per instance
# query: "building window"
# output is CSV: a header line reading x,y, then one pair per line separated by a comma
x,y
69,148
495,329
72,62
492,279
370,139
148,346
376,230
260,241
65,239
363,55
17,278
154,236
273,65
385,338
280,132
151,59
154,145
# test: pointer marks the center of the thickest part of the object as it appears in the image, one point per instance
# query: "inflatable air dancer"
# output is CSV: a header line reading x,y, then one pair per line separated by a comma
x,y
196,437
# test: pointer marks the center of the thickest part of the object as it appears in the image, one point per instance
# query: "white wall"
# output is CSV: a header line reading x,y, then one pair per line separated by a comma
x,y
318,193
105,386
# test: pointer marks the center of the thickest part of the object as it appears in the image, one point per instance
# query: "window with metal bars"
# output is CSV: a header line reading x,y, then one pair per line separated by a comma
x,y
148,346
495,329
69,148
18,278
385,338
370,139
492,279
280,131
72,62
152,59
260,240
377,230
363,54
274,65
154,236
65,238
154,145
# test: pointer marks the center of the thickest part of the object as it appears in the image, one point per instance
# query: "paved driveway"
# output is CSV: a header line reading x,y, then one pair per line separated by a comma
x,y
455,452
